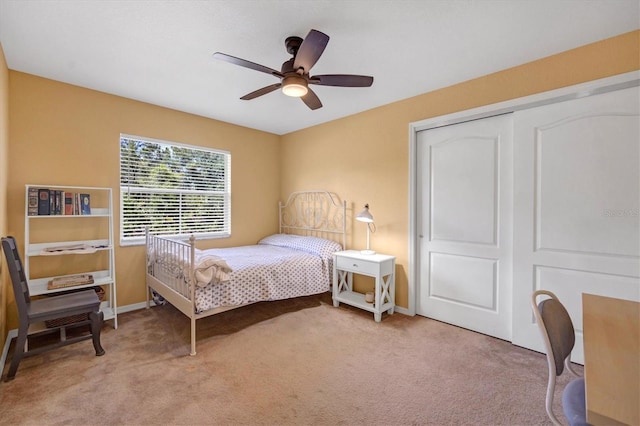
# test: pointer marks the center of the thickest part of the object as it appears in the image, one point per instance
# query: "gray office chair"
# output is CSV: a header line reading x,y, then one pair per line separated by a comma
x,y
559,338
48,308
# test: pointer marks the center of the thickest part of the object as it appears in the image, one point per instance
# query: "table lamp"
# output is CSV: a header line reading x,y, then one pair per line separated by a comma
x,y
366,217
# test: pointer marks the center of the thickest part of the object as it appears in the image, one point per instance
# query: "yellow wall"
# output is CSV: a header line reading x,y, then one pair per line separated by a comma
x,y
4,143
365,157
67,135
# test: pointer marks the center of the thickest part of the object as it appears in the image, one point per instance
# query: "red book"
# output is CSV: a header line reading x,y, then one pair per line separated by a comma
x,y
68,203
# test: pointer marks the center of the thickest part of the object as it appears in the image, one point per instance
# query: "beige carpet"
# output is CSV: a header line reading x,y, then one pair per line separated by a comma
x,y
293,362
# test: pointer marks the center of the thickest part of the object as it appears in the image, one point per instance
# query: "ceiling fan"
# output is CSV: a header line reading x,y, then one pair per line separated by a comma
x,y
294,73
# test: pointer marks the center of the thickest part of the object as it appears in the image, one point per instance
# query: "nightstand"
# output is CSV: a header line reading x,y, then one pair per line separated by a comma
x,y
382,267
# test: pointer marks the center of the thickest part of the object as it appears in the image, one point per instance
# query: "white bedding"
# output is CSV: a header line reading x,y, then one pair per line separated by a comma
x,y
280,266
264,272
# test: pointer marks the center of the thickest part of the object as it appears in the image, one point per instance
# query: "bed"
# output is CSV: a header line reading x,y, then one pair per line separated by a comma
x,y
297,261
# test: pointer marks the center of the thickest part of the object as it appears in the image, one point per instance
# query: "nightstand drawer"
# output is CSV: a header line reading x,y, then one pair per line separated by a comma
x,y
357,265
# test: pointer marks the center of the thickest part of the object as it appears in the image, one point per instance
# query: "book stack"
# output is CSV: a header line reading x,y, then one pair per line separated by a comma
x,y
70,281
46,202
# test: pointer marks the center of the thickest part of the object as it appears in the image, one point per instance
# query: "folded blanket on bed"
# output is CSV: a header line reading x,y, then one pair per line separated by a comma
x,y
211,269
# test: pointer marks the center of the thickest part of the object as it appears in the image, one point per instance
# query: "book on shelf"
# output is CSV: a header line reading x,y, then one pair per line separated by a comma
x,y
44,206
57,202
68,203
70,281
32,202
52,202
76,203
48,202
85,204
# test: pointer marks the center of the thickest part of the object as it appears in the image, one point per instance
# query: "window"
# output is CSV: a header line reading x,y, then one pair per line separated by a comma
x,y
174,189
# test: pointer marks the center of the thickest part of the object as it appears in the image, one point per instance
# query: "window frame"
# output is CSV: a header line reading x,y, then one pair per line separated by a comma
x,y
226,193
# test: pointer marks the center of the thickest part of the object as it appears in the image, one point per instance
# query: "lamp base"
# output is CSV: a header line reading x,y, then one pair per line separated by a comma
x,y
367,252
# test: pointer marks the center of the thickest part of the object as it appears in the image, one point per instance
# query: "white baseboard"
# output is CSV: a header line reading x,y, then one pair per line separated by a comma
x,y
134,307
401,310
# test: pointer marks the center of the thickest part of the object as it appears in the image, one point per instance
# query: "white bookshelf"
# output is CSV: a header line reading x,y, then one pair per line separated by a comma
x,y
94,230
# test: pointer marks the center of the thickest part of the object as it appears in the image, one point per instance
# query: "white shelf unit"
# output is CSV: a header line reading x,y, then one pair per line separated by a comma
x,y
379,266
64,230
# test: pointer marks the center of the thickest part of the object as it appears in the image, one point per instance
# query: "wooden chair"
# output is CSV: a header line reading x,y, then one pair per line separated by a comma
x,y
559,338
48,308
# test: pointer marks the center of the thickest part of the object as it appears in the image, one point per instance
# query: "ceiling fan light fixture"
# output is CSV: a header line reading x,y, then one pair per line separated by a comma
x,y
294,86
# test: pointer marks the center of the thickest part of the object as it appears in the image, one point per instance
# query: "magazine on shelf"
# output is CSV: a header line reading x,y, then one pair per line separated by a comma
x,y
70,281
70,249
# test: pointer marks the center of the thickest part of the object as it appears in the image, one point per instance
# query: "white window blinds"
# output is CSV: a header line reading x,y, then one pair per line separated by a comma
x,y
173,189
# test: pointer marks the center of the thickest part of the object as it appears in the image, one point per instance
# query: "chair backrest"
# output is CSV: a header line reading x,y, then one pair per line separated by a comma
x,y
559,338
18,277
556,327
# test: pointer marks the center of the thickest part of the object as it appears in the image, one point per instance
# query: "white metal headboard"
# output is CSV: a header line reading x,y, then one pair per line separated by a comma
x,y
315,213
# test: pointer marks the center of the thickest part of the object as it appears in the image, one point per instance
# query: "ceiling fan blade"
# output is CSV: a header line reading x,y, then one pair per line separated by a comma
x,y
310,50
311,100
246,64
260,92
342,80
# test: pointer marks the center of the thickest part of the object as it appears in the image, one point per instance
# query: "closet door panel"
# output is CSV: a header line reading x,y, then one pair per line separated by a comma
x,y
465,197
583,185
576,205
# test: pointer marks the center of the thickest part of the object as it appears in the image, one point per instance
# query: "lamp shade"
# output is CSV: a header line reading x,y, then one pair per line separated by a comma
x,y
294,86
365,215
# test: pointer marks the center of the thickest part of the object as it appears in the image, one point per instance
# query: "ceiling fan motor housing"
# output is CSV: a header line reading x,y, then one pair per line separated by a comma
x,y
287,67
293,44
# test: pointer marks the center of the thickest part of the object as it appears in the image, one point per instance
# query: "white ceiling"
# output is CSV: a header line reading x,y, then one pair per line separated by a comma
x,y
160,51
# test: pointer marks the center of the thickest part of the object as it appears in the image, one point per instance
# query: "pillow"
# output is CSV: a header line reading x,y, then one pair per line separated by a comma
x,y
314,245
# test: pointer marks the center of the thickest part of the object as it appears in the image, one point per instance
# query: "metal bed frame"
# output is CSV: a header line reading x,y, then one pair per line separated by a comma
x,y
307,213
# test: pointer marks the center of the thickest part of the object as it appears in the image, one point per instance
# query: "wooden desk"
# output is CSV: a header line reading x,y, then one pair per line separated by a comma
x,y
611,360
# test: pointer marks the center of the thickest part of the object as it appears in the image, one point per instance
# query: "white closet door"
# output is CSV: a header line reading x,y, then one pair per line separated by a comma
x,y
577,199
464,186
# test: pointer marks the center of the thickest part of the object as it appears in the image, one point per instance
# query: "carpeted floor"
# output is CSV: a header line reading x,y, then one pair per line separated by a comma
x,y
292,362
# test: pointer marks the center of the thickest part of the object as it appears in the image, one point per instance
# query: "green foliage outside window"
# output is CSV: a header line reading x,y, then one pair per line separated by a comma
x,y
173,189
